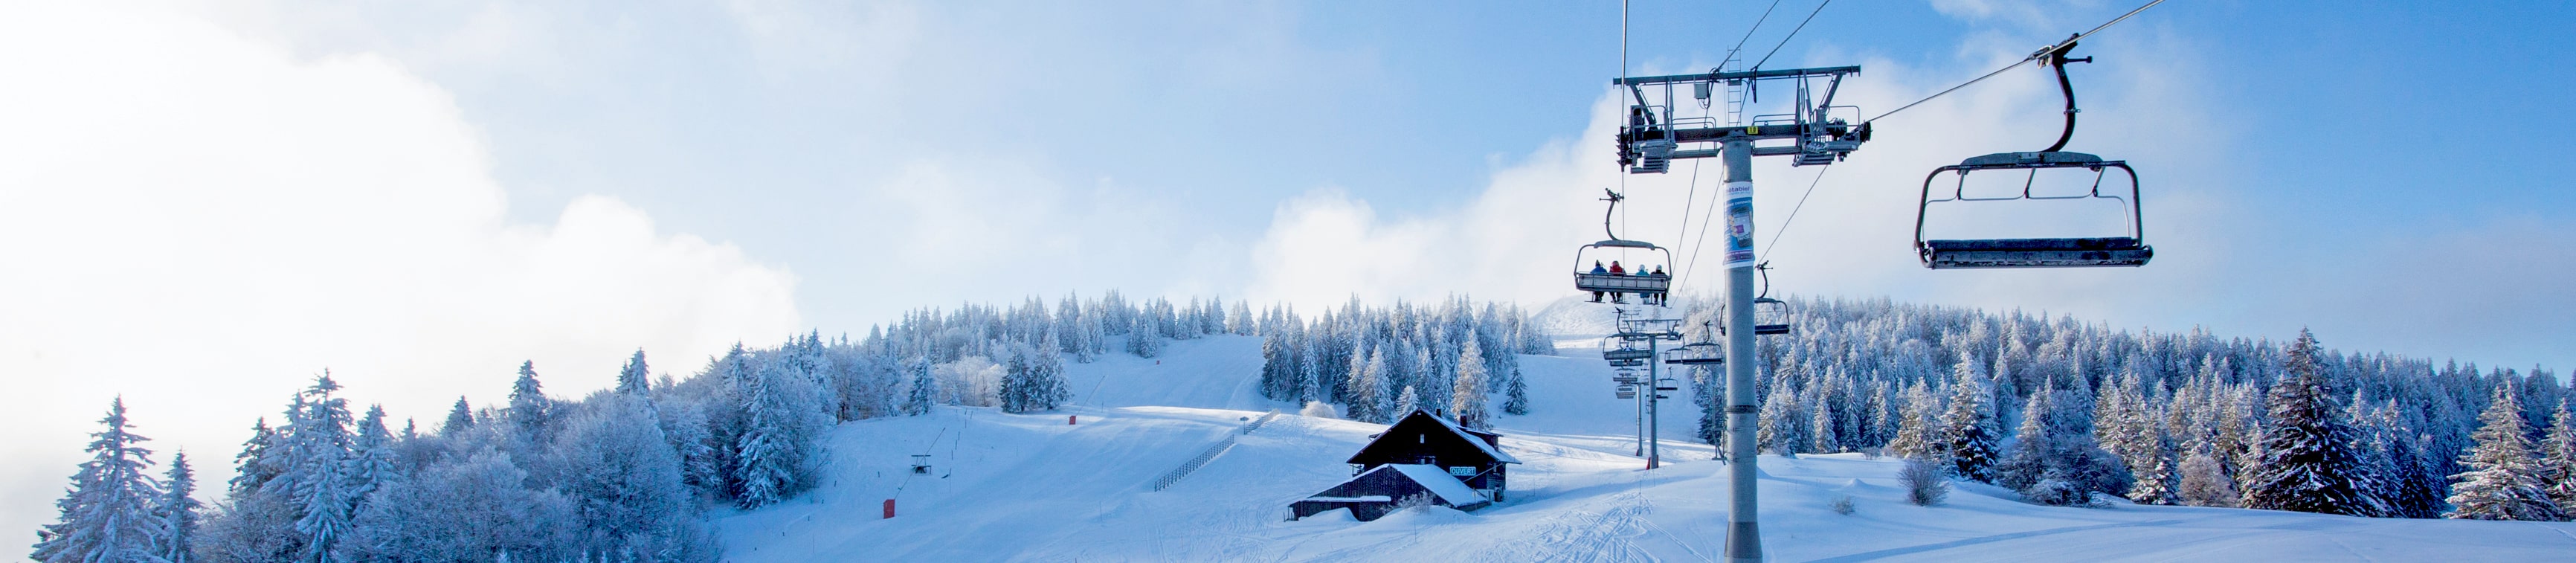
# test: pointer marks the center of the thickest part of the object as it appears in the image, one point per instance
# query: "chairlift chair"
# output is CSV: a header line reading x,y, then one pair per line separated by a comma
x,y
2128,250
1622,283
1618,285
1770,316
1696,354
1625,353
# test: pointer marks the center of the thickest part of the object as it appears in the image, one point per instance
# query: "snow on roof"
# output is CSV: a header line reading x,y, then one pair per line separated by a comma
x,y
1438,481
1361,498
1489,449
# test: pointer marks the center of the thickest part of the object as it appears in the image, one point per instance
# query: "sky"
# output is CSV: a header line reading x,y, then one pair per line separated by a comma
x,y
203,205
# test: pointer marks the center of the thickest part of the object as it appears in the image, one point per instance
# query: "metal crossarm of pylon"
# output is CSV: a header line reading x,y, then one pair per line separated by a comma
x,y
1653,134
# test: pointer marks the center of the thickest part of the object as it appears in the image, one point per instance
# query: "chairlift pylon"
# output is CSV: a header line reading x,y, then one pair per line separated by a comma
x,y
2129,250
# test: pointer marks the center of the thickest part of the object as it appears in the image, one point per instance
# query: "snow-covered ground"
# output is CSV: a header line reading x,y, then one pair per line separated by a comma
x,y
1031,487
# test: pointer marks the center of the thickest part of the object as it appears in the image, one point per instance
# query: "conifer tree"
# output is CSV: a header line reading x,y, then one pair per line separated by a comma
x,y
459,418
2158,482
2308,462
1405,404
1781,427
631,379
1368,390
108,513
2503,482
924,389
1918,430
371,456
178,511
2558,459
1821,430
253,467
1968,427
1515,393
320,471
1467,399
528,405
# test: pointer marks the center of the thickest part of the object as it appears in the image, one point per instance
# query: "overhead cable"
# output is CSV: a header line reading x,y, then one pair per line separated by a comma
x,y
2032,57
1802,25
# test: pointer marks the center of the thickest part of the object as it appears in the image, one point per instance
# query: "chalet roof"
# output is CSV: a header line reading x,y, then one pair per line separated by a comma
x,y
1472,437
1436,480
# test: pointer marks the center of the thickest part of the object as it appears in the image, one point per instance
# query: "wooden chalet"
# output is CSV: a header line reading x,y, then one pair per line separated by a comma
x,y
1421,454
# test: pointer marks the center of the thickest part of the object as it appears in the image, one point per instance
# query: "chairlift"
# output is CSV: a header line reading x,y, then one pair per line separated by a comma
x,y
1626,353
2128,250
1696,354
1649,287
1770,316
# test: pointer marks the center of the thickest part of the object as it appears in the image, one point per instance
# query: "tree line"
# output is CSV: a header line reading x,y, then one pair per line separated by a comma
x,y
2068,412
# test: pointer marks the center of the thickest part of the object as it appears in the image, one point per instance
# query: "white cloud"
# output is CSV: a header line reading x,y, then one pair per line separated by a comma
x,y
1852,237
201,222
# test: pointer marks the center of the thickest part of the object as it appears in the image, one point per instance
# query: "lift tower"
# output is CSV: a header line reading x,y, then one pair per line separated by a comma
x,y
1653,136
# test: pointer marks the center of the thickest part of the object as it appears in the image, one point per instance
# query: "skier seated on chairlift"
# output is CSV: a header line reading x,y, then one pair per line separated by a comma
x,y
1615,270
1597,270
1657,297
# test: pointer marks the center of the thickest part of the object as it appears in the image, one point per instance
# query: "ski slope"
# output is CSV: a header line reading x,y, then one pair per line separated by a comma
x,y
1009,487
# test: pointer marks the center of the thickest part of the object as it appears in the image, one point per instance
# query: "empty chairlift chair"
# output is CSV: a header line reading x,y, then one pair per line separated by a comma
x,y
2128,249
1770,316
1696,354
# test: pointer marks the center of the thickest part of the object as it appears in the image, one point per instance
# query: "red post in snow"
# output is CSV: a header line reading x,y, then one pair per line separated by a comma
x,y
1068,419
889,508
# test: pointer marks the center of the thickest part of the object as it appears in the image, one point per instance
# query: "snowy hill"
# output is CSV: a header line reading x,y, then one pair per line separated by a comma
x,y
1031,487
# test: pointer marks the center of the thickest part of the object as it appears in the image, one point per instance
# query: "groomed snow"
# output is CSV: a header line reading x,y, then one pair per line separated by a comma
x,y
1030,487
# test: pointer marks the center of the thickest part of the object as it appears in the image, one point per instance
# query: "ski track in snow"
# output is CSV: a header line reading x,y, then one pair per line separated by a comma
x,y
1010,487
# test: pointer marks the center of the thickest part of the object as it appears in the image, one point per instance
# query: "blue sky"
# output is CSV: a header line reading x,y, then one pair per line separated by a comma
x,y
418,196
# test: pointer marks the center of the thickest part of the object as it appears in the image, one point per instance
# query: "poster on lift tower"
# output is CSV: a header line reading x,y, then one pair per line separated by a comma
x,y
1739,224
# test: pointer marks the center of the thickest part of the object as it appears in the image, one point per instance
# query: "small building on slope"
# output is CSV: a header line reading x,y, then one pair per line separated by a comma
x,y
1423,456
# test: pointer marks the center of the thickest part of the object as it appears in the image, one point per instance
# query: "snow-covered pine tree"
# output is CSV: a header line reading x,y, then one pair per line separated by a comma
x,y
2419,489
108,513
1782,427
1918,427
1276,370
255,465
2027,463
1968,427
1405,403
320,472
1047,387
528,405
631,379
1467,398
2558,459
1146,339
2158,481
1515,393
178,511
2503,482
459,418
759,470
1368,389
1821,430
924,389
1879,417
371,457
2308,463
